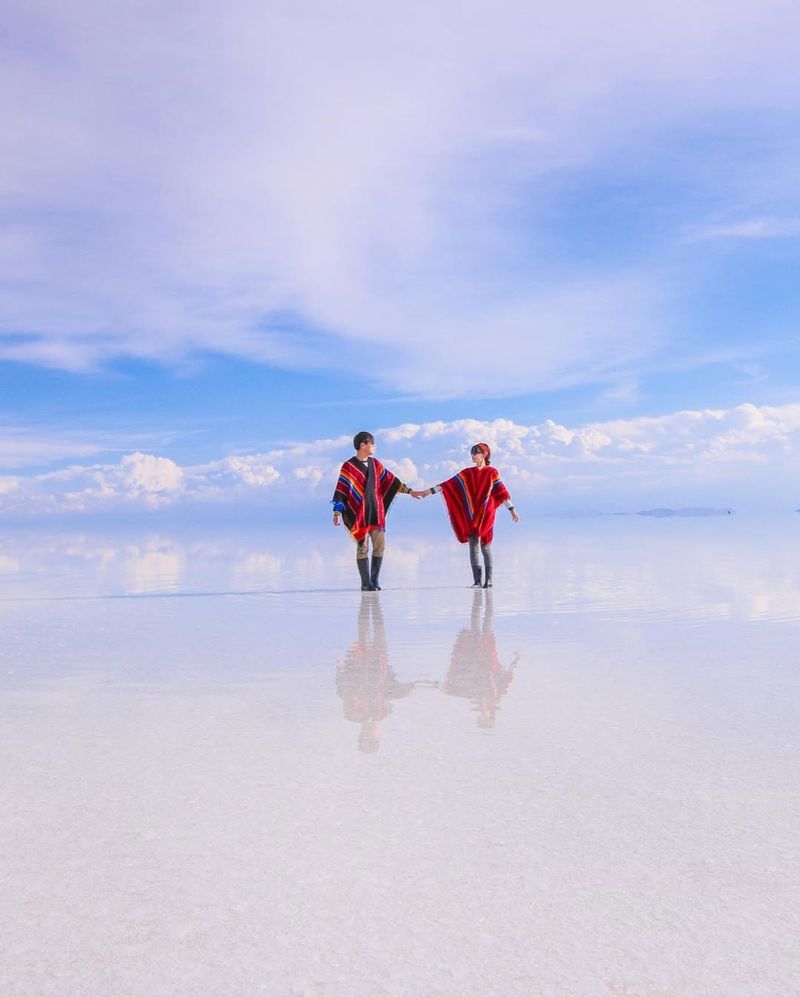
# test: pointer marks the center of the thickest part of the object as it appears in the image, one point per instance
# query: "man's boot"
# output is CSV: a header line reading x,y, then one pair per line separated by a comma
x,y
476,576
376,571
363,570
488,582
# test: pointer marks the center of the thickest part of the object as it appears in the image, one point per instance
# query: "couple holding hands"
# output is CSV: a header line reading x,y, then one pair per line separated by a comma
x,y
366,489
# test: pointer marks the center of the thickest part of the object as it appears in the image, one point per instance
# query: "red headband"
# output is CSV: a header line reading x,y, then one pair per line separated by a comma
x,y
484,448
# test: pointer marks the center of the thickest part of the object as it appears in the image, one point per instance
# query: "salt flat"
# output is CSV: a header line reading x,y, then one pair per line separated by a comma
x,y
227,772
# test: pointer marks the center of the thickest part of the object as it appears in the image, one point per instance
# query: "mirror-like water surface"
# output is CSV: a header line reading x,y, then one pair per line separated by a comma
x,y
227,771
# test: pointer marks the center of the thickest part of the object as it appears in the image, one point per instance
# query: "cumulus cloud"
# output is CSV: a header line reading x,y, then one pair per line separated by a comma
x,y
138,479
686,456
253,471
307,185
143,475
407,471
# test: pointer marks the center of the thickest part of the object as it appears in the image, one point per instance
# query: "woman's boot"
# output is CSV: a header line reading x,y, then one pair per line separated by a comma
x,y
476,576
375,572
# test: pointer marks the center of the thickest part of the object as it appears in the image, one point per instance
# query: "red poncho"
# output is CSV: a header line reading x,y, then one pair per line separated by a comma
x,y
472,498
354,501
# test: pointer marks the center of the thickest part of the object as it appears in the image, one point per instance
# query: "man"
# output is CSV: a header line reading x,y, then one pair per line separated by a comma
x,y
364,492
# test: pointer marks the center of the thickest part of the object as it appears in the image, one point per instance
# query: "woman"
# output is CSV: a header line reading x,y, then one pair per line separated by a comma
x,y
472,497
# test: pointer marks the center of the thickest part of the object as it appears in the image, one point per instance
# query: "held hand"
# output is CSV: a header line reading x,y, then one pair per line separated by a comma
x,y
417,494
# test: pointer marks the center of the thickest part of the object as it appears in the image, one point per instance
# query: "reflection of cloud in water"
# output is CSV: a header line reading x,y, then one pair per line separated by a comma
x,y
157,567
698,570
408,556
88,549
258,569
9,565
310,567
403,565
721,569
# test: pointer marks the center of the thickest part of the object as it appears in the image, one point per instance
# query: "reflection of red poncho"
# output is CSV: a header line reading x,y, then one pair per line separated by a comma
x,y
350,496
472,498
475,670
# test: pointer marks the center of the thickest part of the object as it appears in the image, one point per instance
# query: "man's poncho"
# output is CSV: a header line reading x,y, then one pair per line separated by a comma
x,y
472,498
364,499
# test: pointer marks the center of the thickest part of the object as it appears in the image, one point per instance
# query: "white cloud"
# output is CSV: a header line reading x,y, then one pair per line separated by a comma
x,y
137,480
150,477
405,432
313,475
253,471
684,457
379,174
406,470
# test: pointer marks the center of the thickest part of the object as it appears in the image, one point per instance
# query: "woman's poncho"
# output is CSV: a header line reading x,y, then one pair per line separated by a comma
x,y
472,497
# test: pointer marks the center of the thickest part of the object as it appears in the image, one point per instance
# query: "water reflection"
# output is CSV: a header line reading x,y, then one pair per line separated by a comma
x,y
368,687
699,570
475,671
364,680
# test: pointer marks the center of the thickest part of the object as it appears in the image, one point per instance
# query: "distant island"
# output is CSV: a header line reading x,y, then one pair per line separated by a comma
x,y
663,513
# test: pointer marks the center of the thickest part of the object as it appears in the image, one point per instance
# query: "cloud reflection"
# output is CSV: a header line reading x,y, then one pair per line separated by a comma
x,y
699,570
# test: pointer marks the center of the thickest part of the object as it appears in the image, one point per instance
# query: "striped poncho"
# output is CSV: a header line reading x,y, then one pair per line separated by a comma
x,y
472,497
362,498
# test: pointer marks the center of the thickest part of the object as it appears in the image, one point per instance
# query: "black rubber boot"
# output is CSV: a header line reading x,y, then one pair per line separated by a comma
x,y
375,572
476,576
488,582
363,570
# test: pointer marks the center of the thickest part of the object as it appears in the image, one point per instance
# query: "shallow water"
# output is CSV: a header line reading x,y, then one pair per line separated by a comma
x,y
229,772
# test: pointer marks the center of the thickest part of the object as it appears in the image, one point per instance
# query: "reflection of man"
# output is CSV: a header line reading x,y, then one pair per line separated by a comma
x,y
475,672
364,680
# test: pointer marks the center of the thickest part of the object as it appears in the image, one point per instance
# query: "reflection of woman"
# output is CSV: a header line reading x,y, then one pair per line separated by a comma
x,y
472,497
475,671
364,680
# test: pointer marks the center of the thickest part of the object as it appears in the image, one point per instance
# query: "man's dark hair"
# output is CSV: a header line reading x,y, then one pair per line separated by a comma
x,y
362,437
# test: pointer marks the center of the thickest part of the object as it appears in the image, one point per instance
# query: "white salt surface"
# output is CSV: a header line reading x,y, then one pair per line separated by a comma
x,y
226,772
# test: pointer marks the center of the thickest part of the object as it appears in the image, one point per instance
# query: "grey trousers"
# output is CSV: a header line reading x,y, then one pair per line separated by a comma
x,y
486,550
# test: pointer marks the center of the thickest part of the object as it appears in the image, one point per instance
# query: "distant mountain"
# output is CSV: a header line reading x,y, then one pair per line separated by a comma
x,y
663,513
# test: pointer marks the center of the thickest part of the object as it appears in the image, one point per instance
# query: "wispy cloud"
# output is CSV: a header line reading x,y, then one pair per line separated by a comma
x,y
333,188
684,455
753,228
24,446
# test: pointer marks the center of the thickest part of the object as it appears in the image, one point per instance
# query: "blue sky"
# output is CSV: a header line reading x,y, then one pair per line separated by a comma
x,y
239,233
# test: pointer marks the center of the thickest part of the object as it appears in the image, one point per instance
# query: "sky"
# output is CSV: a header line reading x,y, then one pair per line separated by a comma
x,y
234,235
